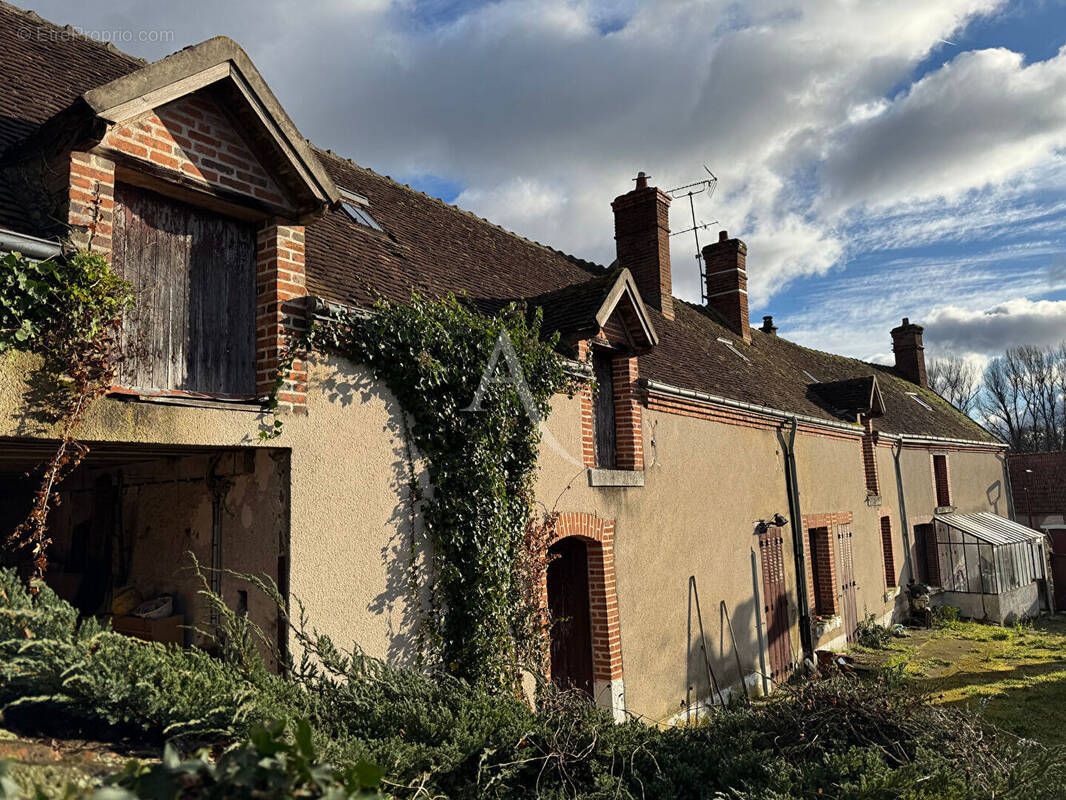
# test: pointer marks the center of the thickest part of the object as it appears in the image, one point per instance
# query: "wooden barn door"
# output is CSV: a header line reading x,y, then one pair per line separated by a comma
x,y
775,603
193,325
571,627
1058,567
847,582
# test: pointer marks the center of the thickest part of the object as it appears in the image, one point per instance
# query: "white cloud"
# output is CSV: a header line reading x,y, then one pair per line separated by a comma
x,y
543,119
1008,324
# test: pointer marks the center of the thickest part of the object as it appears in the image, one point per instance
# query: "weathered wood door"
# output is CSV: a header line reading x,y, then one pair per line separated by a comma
x,y
1058,567
848,600
568,601
193,325
775,603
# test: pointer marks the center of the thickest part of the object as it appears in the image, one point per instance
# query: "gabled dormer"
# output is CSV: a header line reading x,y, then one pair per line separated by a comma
x,y
193,180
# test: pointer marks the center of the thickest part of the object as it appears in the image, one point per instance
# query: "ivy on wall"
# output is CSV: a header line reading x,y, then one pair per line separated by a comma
x,y
68,310
485,555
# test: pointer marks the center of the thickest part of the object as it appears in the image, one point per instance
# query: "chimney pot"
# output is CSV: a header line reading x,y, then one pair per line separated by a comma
x,y
642,241
910,352
724,269
768,325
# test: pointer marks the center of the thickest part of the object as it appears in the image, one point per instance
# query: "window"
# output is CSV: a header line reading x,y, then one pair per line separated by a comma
x,y
940,479
606,426
914,396
193,271
823,571
357,208
886,548
733,348
813,379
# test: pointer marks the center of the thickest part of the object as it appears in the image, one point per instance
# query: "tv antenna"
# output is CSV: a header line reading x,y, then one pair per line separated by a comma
x,y
691,190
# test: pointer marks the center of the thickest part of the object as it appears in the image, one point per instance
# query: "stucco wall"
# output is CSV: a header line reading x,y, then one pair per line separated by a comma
x,y
706,486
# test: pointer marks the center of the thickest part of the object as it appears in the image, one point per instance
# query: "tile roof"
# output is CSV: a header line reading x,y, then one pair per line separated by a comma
x,y
431,247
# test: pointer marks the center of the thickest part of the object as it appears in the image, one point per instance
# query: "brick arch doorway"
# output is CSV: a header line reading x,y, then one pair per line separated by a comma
x,y
571,615
595,537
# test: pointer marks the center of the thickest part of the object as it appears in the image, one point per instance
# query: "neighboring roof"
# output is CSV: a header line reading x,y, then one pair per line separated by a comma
x,y
991,528
581,310
851,396
433,248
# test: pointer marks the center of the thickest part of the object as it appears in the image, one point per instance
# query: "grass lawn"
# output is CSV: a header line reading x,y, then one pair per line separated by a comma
x,y
1015,676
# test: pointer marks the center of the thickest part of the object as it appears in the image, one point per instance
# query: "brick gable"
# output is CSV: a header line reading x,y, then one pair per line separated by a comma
x,y
194,138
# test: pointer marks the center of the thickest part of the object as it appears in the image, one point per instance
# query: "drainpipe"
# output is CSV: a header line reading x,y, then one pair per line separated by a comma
x,y
792,488
904,525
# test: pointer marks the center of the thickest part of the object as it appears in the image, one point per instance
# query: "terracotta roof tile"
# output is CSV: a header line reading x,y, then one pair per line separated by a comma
x,y
431,247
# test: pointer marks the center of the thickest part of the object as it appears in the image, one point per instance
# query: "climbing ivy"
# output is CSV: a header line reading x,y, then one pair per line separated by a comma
x,y
483,616
69,311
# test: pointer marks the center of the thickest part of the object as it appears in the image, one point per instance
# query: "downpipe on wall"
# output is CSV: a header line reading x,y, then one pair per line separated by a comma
x,y
796,521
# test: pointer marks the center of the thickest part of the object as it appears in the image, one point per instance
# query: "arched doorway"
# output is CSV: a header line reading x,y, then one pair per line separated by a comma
x,y
568,602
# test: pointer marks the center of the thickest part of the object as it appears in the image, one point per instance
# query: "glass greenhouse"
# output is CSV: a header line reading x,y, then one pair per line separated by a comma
x,y
984,554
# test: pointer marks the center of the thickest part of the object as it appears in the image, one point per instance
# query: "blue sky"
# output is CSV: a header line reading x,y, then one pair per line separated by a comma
x,y
881,159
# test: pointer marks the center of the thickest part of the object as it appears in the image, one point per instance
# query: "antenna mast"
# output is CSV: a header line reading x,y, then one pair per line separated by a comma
x,y
690,190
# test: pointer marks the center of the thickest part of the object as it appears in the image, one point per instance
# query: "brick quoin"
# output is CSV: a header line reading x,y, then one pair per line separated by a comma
x,y
598,534
91,202
629,434
281,292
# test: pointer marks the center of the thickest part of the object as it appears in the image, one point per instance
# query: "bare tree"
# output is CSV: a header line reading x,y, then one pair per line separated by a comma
x,y
1023,397
956,380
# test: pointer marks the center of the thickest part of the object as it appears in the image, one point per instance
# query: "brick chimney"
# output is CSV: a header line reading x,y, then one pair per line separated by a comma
x,y
909,351
727,282
642,239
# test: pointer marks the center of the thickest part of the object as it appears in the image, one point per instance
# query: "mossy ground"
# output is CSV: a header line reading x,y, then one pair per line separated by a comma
x,y
1016,676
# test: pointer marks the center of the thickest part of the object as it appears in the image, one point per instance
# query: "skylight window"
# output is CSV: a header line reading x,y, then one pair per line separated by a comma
x,y
357,208
919,400
813,379
732,347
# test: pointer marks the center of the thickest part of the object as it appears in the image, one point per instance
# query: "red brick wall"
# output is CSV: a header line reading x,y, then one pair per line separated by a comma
x,y
629,439
1044,488
193,137
280,312
91,207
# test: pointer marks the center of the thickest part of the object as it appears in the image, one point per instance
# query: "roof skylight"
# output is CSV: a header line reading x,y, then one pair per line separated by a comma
x,y
914,396
733,347
813,379
357,208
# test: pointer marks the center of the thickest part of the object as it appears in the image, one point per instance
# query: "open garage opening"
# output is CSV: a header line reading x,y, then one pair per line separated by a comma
x,y
132,518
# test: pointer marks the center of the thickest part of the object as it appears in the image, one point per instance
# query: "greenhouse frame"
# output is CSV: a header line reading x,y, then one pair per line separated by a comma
x,y
989,567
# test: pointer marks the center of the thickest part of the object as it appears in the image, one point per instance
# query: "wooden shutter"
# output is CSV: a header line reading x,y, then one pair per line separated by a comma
x,y
606,426
940,476
193,271
889,555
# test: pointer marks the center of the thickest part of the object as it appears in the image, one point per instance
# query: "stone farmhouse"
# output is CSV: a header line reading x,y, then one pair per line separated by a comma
x,y
793,491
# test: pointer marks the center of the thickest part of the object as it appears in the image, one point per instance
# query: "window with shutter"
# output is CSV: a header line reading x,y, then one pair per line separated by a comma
x,y
193,326
889,555
940,478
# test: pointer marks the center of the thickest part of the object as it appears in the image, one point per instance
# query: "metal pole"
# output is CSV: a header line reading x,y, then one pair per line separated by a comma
x,y
758,622
736,652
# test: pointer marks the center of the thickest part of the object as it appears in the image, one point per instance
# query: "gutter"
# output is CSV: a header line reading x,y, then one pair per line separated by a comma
x,y
927,439
792,490
32,246
703,397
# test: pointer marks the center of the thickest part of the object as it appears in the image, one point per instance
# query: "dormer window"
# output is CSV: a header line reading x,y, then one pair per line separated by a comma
x,y
357,207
